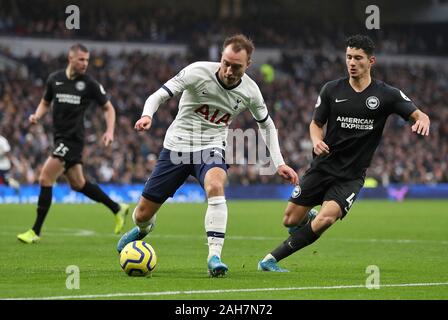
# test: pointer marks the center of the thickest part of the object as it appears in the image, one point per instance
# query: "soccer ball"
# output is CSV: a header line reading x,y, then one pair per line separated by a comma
x,y
138,259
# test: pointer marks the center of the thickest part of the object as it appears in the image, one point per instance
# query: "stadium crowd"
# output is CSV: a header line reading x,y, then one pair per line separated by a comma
x,y
171,24
130,77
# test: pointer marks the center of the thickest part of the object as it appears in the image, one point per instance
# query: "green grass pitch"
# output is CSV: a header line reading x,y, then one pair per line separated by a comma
x,y
407,241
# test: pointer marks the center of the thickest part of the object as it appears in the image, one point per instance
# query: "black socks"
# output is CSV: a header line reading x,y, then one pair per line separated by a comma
x,y
94,192
43,205
298,240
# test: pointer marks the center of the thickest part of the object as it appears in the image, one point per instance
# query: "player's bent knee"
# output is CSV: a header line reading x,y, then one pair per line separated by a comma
x,y
293,216
289,221
145,210
214,188
325,221
45,181
77,186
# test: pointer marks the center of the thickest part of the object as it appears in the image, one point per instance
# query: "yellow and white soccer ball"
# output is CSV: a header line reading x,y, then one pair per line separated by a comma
x,y
138,259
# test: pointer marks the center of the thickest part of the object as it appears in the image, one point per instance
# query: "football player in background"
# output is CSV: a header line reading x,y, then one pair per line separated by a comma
x,y
69,92
5,165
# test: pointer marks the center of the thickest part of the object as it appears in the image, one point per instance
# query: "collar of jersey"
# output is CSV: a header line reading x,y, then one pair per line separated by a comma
x,y
224,86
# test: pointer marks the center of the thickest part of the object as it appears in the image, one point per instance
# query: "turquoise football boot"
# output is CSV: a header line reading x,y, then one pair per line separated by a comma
x,y
216,267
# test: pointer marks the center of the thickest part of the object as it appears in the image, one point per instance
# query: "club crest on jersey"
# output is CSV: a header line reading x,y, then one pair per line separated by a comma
x,y
80,85
238,101
372,102
296,192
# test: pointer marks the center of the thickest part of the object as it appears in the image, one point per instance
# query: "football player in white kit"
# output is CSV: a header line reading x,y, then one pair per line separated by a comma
x,y
213,94
5,165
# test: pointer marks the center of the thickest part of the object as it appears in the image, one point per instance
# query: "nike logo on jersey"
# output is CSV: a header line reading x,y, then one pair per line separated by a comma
x,y
342,100
204,92
58,83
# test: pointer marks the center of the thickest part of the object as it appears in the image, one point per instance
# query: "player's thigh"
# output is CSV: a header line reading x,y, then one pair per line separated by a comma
x,y
166,178
294,214
329,213
211,171
75,176
51,170
344,193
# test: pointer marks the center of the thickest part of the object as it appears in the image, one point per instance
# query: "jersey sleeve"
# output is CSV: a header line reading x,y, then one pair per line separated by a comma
x,y
181,81
99,94
4,146
401,104
257,107
48,93
322,107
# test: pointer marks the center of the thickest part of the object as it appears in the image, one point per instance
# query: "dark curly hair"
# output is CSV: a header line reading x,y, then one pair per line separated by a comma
x,y
363,42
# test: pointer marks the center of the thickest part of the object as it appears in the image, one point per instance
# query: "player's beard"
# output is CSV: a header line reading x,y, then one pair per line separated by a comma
x,y
230,81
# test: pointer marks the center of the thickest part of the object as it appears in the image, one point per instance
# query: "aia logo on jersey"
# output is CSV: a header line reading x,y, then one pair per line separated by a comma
x,y
372,102
214,117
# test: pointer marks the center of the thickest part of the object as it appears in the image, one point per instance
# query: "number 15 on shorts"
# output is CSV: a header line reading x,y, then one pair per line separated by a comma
x,y
61,150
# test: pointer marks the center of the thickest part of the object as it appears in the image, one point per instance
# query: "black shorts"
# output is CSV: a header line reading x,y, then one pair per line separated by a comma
x,y
315,187
70,152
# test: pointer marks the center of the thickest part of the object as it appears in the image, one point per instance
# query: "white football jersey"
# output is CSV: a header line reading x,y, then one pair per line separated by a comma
x,y
207,107
5,164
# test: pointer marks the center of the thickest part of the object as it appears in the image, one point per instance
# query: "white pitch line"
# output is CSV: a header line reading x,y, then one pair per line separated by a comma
x,y
90,233
166,293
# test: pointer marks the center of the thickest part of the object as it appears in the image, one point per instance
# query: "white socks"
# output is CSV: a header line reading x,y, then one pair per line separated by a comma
x,y
268,257
147,226
215,225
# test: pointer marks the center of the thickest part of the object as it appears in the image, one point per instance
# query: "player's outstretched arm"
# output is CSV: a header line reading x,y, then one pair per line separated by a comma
x,y
151,105
287,173
109,115
144,123
42,108
421,122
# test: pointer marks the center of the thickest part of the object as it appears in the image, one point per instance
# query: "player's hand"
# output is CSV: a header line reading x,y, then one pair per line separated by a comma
x,y
421,126
108,138
321,148
144,123
288,174
33,119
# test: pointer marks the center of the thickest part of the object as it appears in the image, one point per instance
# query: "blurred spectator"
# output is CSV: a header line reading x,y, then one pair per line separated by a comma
x,y
291,97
